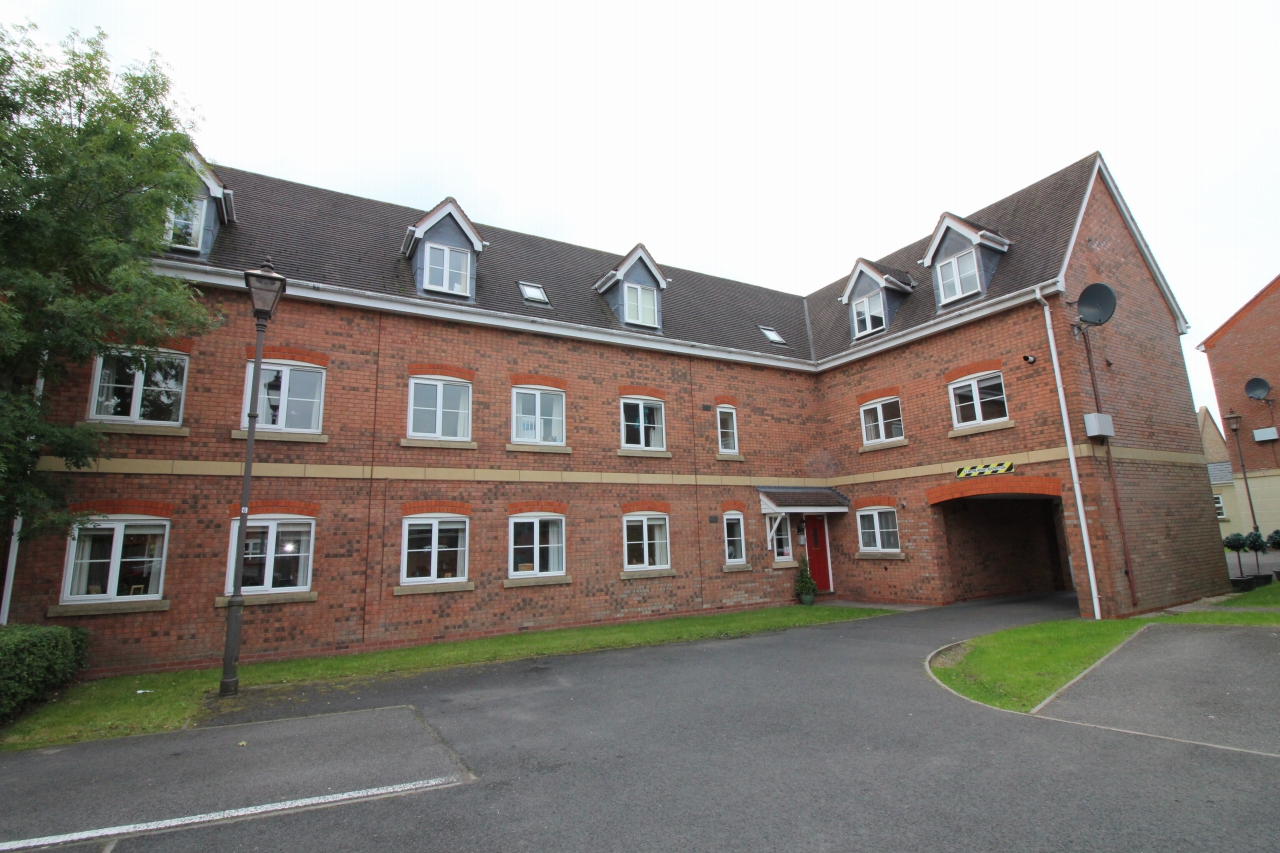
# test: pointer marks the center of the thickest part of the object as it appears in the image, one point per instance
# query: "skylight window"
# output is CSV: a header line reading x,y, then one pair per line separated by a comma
x,y
772,335
534,293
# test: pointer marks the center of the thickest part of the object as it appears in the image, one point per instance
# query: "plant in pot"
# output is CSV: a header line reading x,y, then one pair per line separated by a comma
x,y
806,589
1273,542
1235,542
1255,543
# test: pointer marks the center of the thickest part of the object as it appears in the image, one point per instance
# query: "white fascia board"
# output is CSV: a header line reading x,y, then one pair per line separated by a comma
x,y
641,254
448,208
942,324
882,280
950,220
1179,319
211,181
318,292
768,507
812,510
607,281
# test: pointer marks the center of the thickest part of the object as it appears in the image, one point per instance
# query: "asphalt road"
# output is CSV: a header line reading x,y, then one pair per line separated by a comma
x,y
826,738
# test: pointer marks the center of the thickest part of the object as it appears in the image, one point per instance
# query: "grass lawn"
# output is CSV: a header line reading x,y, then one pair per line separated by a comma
x,y
1019,668
1267,596
156,702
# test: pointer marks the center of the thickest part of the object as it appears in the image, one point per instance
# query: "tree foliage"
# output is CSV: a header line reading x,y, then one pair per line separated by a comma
x,y
91,162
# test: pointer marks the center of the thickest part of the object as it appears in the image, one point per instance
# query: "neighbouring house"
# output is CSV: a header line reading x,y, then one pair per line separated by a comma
x,y
1243,349
1220,479
469,431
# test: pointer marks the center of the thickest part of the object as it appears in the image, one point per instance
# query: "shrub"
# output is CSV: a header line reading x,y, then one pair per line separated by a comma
x,y
804,580
35,659
1273,541
1236,542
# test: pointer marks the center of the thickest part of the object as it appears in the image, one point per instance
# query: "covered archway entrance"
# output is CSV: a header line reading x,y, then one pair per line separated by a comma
x,y
811,505
1004,535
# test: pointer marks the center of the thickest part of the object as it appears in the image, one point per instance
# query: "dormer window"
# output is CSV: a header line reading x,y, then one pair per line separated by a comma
x,y
773,336
186,225
447,269
868,314
534,293
642,305
959,276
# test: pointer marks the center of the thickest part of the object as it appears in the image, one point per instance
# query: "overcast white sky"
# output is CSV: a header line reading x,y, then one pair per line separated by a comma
x,y
772,143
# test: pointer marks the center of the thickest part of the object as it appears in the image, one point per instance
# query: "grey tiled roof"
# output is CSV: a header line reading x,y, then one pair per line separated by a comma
x,y
789,496
1219,472
323,236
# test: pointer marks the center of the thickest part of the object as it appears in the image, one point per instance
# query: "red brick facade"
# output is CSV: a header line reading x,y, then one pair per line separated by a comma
x,y
960,538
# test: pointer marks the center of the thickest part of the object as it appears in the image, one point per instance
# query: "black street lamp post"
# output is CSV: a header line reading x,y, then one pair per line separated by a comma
x,y
265,288
1233,423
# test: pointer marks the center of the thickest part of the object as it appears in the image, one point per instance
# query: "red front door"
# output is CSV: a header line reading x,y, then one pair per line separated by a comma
x,y
815,538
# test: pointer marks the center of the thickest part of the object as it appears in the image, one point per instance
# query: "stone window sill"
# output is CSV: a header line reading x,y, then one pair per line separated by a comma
x,y
264,435
638,574
432,442
427,588
140,429
550,580
105,608
736,567
256,598
876,555
786,564
882,445
730,457
538,448
974,430
657,454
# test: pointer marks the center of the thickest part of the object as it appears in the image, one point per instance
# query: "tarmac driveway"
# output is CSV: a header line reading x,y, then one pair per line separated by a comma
x,y
825,738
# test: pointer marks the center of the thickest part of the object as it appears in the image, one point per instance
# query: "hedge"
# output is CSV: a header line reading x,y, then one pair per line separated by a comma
x,y
35,659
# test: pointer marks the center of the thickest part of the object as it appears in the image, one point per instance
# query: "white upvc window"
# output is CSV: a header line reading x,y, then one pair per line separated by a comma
x,y
959,276
154,394
277,554
882,420
1218,508
771,334
781,543
868,314
537,545
186,224
433,548
440,408
643,424
534,292
978,400
537,415
727,427
116,557
735,540
878,529
645,542
447,269
642,304
290,396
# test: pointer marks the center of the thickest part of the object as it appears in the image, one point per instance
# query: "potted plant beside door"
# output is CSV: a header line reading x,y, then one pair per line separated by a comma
x,y
806,589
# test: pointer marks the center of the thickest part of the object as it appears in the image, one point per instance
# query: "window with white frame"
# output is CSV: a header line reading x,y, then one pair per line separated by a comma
x,y
116,557
781,543
868,314
642,304
537,416
771,334
290,397
439,408
727,427
151,392
959,276
534,292
186,224
642,424
878,529
882,420
1218,508
645,542
434,548
448,269
978,400
735,542
277,554
537,545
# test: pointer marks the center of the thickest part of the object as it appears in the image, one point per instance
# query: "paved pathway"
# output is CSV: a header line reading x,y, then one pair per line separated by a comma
x,y
826,738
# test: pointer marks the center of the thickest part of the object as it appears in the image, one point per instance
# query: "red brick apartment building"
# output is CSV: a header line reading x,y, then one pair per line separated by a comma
x,y
471,431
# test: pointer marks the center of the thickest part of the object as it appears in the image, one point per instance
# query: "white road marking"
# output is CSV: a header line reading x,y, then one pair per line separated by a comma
x,y
229,814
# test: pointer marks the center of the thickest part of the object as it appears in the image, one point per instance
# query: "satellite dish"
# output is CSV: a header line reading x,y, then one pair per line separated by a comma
x,y
1257,388
1097,303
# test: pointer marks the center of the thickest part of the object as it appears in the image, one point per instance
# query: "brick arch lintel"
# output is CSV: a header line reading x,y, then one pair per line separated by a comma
x,y
124,506
290,354
733,506
554,507
421,507
307,508
725,400
646,506
421,368
989,366
1000,484
874,500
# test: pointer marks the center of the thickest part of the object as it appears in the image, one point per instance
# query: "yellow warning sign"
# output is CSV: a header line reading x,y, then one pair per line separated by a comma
x,y
984,470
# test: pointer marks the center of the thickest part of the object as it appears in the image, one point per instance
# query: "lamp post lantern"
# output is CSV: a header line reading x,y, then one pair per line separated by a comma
x,y
1232,421
265,289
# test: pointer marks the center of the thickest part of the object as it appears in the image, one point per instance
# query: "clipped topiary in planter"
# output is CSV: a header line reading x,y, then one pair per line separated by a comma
x,y
806,589
1255,543
1235,542
36,659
